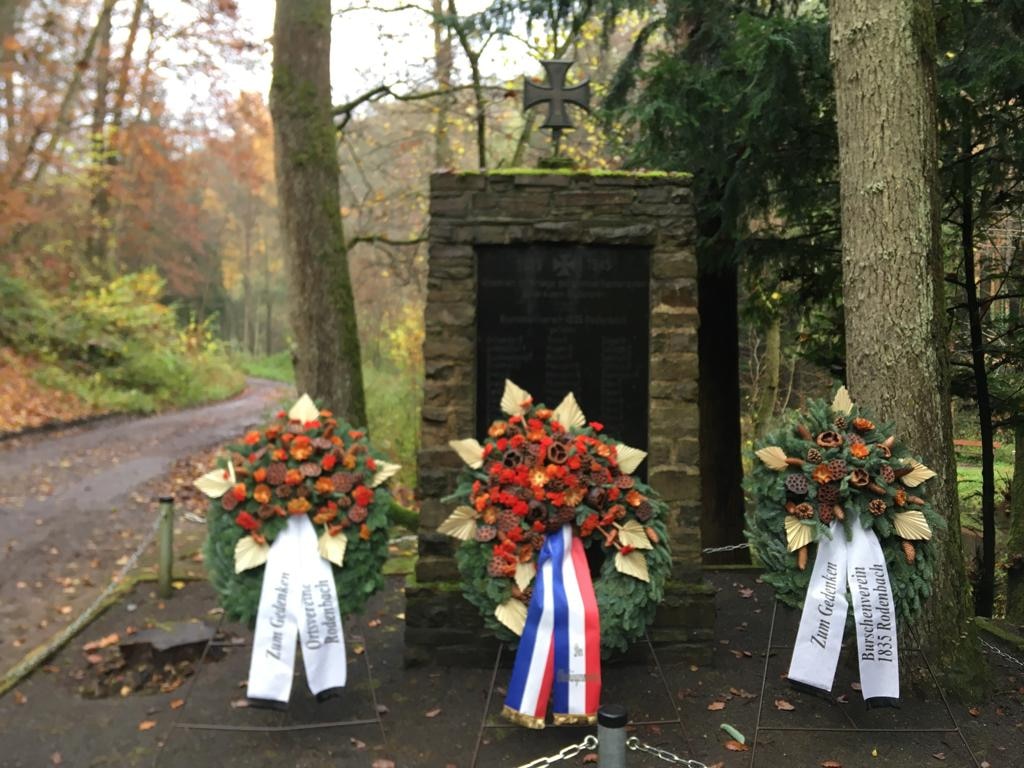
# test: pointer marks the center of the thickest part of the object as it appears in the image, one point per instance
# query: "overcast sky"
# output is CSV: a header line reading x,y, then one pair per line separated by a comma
x,y
368,48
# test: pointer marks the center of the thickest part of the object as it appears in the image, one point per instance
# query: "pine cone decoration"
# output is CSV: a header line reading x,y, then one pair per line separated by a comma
x,y
908,551
826,514
796,483
854,438
323,444
840,422
877,507
888,474
358,515
814,456
803,511
837,469
228,501
284,491
276,473
828,494
484,533
310,469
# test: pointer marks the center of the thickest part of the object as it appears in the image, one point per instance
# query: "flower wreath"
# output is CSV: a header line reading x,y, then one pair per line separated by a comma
x,y
831,462
541,469
305,463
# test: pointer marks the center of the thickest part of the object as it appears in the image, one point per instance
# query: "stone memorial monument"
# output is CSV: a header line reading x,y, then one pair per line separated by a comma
x,y
561,281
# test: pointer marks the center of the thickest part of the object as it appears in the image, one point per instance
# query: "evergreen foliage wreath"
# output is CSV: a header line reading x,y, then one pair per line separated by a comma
x,y
831,462
306,463
537,471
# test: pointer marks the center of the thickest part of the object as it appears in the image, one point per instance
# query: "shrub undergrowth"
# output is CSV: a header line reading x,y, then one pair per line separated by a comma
x,y
116,346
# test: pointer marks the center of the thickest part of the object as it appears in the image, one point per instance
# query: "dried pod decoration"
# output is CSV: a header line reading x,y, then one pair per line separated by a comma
x,y
850,470
538,470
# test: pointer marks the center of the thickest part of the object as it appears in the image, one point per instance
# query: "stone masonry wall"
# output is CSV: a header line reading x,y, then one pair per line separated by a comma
x,y
467,210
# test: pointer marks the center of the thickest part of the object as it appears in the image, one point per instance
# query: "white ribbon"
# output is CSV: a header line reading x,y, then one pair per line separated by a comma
x,y
860,565
298,600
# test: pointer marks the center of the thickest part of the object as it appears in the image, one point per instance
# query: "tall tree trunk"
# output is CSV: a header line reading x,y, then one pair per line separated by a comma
x,y
323,312
768,391
883,53
721,468
1015,541
8,28
443,59
99,207
984,597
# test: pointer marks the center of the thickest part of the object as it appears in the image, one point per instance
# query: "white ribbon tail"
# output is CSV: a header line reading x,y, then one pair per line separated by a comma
x,y
323,641
820,636
273,645
875,617
298,599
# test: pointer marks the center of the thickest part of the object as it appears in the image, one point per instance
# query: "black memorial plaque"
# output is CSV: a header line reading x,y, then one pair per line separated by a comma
x,y
558,318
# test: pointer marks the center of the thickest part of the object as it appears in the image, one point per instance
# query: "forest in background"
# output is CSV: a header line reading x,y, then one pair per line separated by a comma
x,y
141,264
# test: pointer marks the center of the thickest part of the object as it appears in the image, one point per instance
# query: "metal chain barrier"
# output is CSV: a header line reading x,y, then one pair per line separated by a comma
x,y
1001,653
566,753
634,744
727,548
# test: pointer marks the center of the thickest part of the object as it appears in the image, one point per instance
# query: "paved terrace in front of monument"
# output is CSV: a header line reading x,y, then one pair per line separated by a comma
x,y
431,716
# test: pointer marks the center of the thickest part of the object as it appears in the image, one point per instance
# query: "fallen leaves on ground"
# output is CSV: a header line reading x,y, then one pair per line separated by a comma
x,y
433,712
104,642
56,759
146,725
382,762
20,698
356,743
939,755
590,757
743,694
715,706
177,704
974,711
734,746
25,403
831,764
784,705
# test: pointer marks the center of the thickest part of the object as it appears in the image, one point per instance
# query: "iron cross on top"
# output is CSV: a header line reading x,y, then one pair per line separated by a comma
x,y
557,95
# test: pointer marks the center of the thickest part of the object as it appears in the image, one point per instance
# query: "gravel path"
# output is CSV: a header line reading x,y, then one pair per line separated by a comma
x,y
72,504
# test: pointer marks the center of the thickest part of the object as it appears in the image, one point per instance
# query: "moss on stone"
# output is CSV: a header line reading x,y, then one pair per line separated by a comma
x,y
594,172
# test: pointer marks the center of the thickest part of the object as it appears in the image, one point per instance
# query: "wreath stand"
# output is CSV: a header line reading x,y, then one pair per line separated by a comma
x,y
493,721
854,728
177,724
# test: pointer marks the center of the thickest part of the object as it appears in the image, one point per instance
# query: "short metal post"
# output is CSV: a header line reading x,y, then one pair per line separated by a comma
x,y
611,736
166,566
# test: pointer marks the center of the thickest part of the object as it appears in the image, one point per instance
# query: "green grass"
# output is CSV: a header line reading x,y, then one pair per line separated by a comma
x,y
392,406
969,489
277,367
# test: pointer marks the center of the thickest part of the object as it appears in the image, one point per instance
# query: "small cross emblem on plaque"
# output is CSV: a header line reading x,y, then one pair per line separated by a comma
x,y
556,96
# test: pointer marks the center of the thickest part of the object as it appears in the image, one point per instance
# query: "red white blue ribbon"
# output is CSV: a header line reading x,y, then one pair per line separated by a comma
x,y
559,655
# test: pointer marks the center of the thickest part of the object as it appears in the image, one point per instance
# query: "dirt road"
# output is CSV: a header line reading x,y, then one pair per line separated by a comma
x,y
74,503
